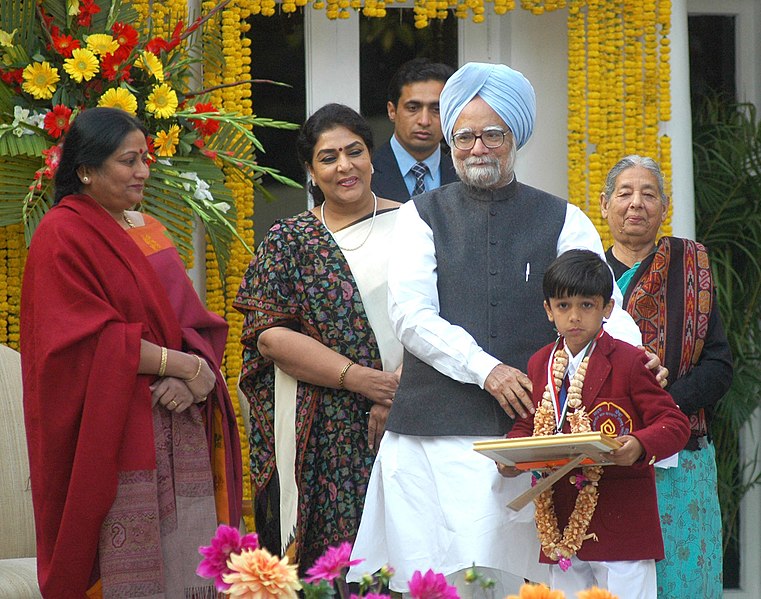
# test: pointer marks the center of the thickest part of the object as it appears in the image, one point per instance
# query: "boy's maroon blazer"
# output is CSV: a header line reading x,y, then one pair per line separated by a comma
x,y
622,397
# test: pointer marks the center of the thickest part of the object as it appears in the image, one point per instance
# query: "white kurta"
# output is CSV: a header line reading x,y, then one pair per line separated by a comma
x,y
433,502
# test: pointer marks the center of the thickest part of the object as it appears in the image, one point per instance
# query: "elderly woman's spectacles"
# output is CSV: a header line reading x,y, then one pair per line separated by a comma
x,y
491,138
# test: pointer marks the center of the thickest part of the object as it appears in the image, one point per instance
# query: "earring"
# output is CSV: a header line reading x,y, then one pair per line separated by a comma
x,y
372,169
85,179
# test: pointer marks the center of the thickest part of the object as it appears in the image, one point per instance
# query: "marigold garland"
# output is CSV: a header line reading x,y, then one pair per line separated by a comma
x,y
236,49
4,290
554,545
618,93
15,259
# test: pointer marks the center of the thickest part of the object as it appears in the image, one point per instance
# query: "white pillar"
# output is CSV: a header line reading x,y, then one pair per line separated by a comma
x,y
680,126
332,59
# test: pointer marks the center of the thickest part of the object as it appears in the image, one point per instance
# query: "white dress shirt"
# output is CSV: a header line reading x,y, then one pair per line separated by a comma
x,y
414,301
405,161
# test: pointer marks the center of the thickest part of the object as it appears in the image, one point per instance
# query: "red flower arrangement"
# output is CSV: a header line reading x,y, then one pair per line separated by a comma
x,y
55,66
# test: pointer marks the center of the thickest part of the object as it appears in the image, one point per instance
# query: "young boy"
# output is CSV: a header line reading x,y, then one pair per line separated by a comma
x,y
598,526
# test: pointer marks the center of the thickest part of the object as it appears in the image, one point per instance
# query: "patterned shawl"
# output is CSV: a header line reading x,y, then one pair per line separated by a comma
x,y
298,279
670,299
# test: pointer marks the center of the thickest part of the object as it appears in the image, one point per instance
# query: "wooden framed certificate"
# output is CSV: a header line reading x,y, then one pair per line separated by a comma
x,y
554,451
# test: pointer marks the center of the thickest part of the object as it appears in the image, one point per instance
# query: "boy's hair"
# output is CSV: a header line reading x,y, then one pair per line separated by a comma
x,y
578,272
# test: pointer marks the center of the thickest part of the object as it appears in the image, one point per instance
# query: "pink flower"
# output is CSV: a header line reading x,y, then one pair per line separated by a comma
x,y
226,542
257,574
580,481
431,585
330,564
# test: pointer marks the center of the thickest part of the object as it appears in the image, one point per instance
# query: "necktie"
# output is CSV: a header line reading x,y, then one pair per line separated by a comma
x,y
563,393
419,170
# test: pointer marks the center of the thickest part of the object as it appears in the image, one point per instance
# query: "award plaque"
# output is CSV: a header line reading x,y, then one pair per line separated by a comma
x,y
554,451
560,453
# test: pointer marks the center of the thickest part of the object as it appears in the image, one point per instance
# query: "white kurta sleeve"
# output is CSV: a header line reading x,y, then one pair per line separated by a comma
x,y
413,302
579,233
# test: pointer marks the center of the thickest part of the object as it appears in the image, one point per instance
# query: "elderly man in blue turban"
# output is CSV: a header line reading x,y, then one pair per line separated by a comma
x,y
465,298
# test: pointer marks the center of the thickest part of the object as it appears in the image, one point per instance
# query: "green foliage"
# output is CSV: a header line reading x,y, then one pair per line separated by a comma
x,y
727,164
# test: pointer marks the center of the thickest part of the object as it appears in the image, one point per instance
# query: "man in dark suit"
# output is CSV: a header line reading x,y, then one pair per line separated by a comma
x,y
412,161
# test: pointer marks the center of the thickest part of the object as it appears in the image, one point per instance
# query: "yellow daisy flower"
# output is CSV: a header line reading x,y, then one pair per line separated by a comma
x,y
119,98
40,80
162,101
102,44
83,65
166,141
150,63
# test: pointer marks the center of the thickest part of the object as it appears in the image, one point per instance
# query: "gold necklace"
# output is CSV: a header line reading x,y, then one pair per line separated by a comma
x,y
556,547
127,220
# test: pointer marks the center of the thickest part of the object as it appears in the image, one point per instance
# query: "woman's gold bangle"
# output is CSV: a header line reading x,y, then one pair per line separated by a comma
x,y
162,366
198,370
342,376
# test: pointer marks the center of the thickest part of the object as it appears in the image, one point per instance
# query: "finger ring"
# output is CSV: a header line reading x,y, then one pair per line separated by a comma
x,y
173,404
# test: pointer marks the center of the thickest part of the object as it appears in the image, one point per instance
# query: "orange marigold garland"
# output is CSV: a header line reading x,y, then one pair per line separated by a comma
x,y
618,91
555,546
577,101
232,41
15,259
4,306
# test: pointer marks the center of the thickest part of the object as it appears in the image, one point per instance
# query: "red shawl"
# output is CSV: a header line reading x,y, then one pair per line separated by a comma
x,y
89,296
203,333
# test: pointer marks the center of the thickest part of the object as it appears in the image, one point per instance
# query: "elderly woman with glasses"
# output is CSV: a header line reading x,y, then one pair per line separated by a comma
x,y
669,291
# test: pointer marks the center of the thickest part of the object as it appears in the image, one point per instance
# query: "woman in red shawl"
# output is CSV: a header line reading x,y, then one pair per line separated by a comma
x,y
122,389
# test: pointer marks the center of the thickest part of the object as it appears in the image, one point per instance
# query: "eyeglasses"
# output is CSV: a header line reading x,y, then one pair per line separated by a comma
x,y
491,138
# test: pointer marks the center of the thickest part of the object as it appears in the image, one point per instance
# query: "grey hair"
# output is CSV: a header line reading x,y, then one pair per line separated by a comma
x,y
628,162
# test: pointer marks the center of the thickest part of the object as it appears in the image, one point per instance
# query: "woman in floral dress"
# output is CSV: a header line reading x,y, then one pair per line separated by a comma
x,y
320,358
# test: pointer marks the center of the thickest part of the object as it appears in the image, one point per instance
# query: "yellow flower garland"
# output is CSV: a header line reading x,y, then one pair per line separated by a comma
x,y
4,290
618,93
236,48
15,258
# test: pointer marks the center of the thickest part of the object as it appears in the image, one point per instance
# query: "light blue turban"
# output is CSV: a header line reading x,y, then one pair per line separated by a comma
x,y
506,90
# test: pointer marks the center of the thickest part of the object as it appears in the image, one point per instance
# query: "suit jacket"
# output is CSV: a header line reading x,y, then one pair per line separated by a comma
x,y
622,397
388,181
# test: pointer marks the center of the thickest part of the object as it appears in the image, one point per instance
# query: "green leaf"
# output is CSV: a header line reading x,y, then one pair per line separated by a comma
x,y
727,167
16,174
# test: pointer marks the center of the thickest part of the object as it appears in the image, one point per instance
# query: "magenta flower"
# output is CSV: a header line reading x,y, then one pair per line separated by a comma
x,y
564,563
431,585
226,541
580,481
330,564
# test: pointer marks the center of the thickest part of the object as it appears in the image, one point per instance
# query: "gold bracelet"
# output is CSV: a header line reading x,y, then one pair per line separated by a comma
x,y
198,370
162,366
342,376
